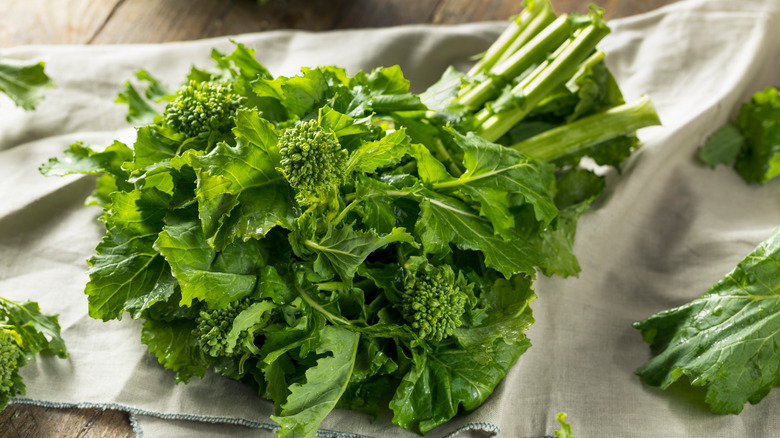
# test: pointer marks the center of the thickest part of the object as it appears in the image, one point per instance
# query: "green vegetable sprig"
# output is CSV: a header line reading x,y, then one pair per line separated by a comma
x,y
24,333
339,241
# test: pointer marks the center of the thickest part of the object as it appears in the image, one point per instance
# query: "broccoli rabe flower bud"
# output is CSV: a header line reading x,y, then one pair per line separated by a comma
x,y
11,359
433,302
203,108
313,161
214,327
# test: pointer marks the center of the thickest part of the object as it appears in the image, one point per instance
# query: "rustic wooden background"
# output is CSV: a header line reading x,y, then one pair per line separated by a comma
x,y
24,22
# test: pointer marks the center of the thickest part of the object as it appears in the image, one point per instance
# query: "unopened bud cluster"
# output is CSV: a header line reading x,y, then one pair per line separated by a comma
x,y
202,108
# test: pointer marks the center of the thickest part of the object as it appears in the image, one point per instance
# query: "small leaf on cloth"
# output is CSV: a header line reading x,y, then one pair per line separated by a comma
x,y
23,81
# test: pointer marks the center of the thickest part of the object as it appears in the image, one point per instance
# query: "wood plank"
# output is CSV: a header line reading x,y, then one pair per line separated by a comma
x,y
52,21
25,421
153,21
455,11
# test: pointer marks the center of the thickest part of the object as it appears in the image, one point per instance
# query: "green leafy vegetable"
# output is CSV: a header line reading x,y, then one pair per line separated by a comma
x,y
752,144
725,339
338,241
24,333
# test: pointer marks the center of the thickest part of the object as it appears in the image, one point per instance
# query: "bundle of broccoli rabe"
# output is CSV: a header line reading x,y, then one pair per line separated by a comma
x,y
336,241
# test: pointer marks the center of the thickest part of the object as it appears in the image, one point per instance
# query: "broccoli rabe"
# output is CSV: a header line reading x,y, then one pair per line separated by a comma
x,y
214,327
434,301
24,332
11,359
203,108
313,161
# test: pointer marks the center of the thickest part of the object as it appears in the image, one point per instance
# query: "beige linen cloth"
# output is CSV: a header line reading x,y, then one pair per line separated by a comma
x,y
666,229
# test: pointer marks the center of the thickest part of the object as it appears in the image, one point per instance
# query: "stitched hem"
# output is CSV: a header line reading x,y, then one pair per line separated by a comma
x,y
134,412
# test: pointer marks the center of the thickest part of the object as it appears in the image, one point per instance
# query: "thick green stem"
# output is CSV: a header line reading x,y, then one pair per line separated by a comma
x,y
499,46
559,70
590,131
534,52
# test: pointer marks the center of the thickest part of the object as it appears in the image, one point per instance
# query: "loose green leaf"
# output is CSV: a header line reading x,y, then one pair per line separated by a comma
x,y
723,340
723,146
23,81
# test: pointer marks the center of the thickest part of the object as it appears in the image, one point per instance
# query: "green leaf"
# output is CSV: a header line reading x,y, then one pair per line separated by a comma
x,y
139,110
248,320
344,249
39,332
244,59
444,221
202,273
724,340
125,269
508,317
493,173
341,124
240,193
138,213
448,379
759,123
82,158
383,91
576,190
175,347
386,152
155,144
310,402
23,81
301,95
723,146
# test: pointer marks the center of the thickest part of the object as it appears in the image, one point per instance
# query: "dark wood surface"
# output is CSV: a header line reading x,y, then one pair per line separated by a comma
x,y
154,21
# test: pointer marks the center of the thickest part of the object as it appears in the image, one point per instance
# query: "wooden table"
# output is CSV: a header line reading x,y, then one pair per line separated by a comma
x,y
155,21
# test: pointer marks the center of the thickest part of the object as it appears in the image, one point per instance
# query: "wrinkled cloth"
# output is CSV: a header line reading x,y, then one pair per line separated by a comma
x,y
665,230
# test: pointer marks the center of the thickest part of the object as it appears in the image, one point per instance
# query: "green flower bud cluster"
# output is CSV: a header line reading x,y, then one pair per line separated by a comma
x,y
433,302
214,327
11,359
313,161
202,108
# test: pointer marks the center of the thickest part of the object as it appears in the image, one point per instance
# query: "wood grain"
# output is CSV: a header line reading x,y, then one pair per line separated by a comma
x,y
24,22
26,421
